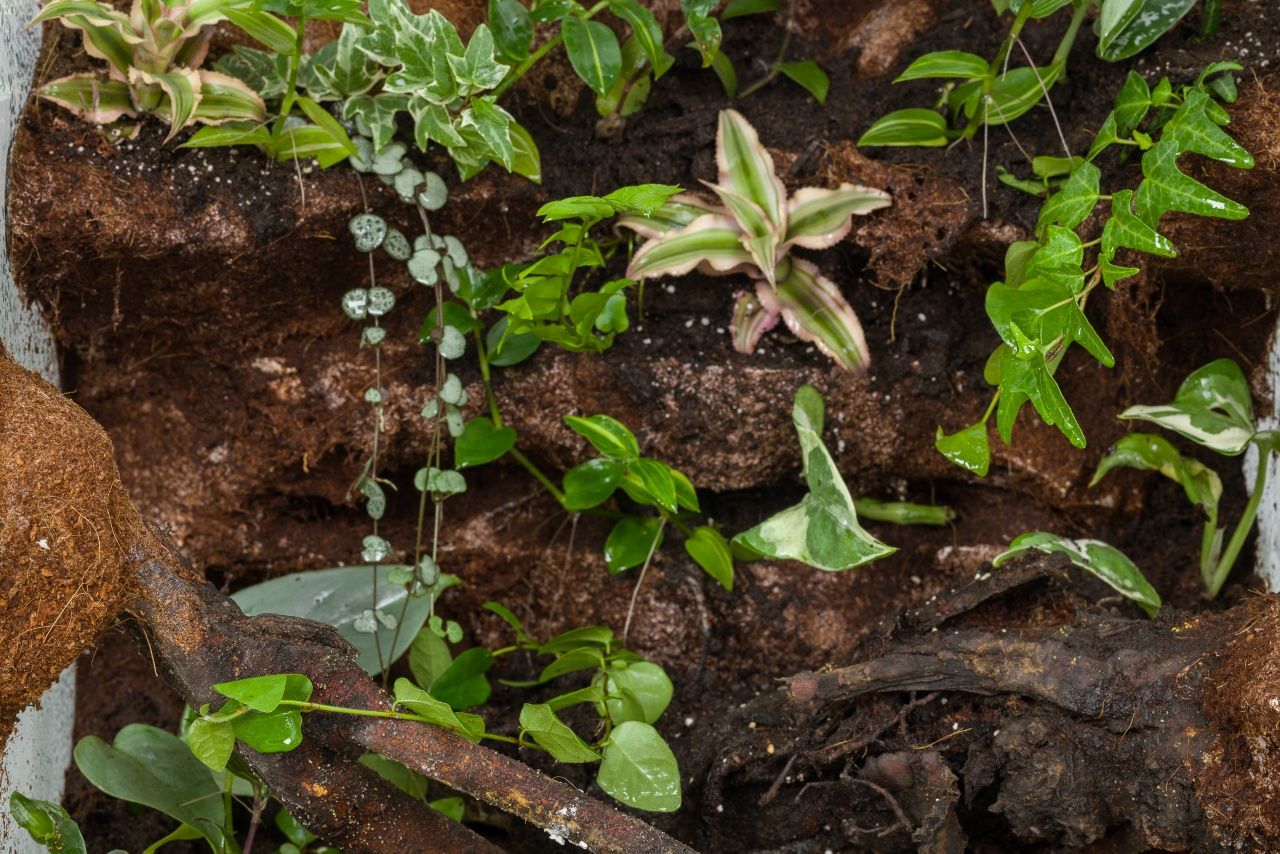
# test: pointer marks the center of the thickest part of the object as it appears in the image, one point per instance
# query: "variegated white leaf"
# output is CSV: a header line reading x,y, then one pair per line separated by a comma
x,y
709,239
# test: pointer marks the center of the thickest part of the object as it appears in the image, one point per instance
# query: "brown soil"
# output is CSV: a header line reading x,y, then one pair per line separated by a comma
x,y
195,296
65,518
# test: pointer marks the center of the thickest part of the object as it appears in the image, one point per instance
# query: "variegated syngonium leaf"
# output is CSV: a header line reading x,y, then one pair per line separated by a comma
x,y
1094,556
1155,453
822,530
1213,408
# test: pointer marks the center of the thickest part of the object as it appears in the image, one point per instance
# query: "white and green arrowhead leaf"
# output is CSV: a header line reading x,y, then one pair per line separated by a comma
x,y
1096,557
822,530
1213,408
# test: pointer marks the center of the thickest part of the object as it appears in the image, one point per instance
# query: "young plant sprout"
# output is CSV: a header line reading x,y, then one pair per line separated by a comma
x,y
1214,409
751,231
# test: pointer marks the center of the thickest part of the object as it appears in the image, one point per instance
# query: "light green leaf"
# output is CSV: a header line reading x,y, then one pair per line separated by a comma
x,y
607,435
1166,188
1031,379
636,691
911,127
589,484
463,683
212,742
1073,203
1101,560
945,63
822,530
411,697
1017,91
48,824
1155,453
540,722
429,656
639,770
264,693
709,548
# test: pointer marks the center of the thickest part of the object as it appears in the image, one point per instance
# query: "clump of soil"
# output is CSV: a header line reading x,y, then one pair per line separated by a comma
x,y
65,526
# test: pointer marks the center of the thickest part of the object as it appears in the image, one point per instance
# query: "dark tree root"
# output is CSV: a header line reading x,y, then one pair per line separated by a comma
x,y
1148,734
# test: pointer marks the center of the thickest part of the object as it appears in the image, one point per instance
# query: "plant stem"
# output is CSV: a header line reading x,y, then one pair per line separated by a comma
x,y
514,75
255,818
631,608
1069,37
997,63
538,475
291,90
307,706
1207,539
756,86
1243,527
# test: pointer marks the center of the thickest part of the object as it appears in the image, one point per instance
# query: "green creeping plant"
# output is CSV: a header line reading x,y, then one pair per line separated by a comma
x,y
1095,557
751,231
1214,409
153,56
393,63
979,93
1038,310
546,304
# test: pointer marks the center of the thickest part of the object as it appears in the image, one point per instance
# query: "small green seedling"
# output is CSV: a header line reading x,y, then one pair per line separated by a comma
x,y
48,824
822,530
153,55
1038,310
751,232
1214,409
1095,557
550,301
978,93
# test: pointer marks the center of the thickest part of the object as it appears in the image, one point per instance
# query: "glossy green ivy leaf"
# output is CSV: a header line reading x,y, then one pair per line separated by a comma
x,y
1166,188
1095,557
822,530
639,770
590,484
481,443
607,435
631,541
1023,380
1213,408
1042,317
970,448
1073,203
711,551
540,722
146,765
48,823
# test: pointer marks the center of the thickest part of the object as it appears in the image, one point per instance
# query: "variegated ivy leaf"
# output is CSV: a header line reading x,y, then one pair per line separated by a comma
x,y
341,69
814,310
1148,452
746,167
267,73
1104,561
822,530
818,218
1213,408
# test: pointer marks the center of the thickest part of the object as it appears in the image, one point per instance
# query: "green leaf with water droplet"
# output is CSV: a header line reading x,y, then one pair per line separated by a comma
x,y
639,770
970,448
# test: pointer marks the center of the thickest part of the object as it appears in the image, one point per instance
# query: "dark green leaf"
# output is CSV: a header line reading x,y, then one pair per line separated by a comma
x,y
481,443
48,824
631,541
915,127
810,76
506,350
575,638
593,51
607,435
589,484
742,8
970,448
512,29
1072,204
655,479
463,684
405,779
429,656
